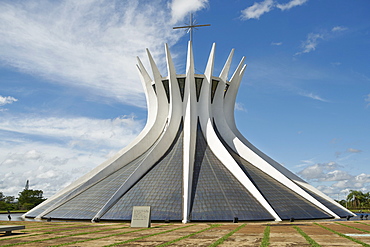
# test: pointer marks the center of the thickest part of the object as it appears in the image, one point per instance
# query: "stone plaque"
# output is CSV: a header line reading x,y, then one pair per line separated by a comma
x,y
140,216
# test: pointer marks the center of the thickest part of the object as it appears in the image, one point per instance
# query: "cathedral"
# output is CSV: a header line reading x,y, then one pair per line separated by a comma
x,y
190,162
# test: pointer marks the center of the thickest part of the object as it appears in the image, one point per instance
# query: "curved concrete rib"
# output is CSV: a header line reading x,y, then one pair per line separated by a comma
x,y
136,148
160,147
225,70
229,136
190,130
216,145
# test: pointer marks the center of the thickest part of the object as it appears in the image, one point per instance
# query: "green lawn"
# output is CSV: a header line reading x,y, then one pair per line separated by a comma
x,y
13,211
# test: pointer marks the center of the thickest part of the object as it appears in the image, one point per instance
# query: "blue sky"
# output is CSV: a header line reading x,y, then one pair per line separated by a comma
x,y
70,95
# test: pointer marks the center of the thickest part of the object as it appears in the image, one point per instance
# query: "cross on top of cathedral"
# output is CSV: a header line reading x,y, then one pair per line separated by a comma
x,y
191,26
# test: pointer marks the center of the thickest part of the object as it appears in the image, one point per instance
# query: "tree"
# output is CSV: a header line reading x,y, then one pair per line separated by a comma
x,y
358,199
7,202
9,199
30,198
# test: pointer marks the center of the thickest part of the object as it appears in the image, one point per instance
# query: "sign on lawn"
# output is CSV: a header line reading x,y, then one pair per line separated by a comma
x,y
140,216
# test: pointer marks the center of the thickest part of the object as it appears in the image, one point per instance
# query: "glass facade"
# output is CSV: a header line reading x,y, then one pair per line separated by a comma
x,y
286,203
198,86
216,193
37,212
167,89
160,188
86,204
181,82
337,210
213,89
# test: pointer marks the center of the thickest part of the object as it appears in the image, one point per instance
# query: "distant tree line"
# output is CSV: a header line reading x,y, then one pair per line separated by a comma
x,y
356,200
26,200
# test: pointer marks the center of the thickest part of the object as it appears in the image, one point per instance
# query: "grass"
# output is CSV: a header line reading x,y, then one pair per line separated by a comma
x,y
308,238
343,235
358,229
107,236
363,223
188,236
222,239
51,232
266,237
13,211
65,236
32,235
147,236
362,210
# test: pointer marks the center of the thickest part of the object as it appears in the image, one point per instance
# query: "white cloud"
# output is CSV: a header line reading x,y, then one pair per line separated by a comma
x,y
52,152
291,4
329,173
181,8
276,43
317,171
86,44
338,29
7,100
353,150
336,175
313,96
310,43
240,107
82,132
363,178
257,9
313,39
349,150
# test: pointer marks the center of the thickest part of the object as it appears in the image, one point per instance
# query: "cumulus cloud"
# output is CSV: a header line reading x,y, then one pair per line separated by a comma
x,y
318,171
181,8
341,181
291,4
52,152
336,175
86,44
360,181
257,9
82,131
7,100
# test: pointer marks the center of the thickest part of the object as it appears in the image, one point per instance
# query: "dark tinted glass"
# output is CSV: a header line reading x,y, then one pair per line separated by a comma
x,y
181,82
198,86
216,193
337,210
160,188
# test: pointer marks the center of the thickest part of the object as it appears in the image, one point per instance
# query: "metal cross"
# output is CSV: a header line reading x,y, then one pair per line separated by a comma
x,y
192,25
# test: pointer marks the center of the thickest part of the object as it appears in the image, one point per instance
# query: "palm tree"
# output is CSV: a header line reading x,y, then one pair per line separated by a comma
x,y
367,199
356,198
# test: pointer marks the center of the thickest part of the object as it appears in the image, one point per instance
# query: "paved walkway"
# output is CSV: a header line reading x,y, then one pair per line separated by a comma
x,y
320,233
